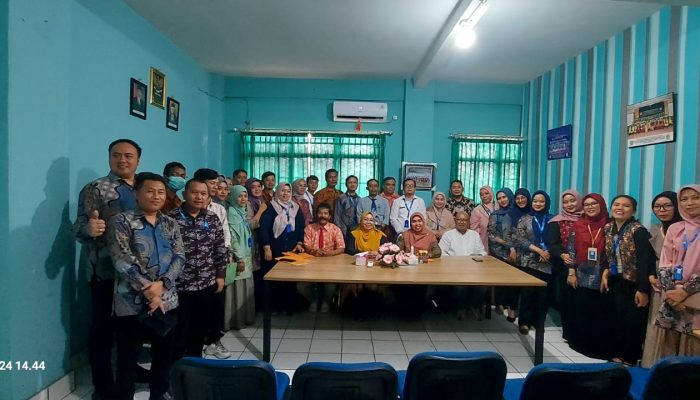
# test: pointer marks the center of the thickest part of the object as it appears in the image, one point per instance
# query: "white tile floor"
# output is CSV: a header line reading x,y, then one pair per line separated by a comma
x,y
333,337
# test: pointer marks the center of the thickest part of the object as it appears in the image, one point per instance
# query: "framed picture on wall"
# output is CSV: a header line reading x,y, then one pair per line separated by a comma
x,y
172,118
423,173
652,121
157,88
137,99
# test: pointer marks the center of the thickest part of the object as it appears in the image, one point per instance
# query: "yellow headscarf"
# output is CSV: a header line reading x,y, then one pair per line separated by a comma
x,y
367,239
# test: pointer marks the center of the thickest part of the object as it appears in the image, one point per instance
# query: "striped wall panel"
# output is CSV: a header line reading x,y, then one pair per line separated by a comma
x,y
591,91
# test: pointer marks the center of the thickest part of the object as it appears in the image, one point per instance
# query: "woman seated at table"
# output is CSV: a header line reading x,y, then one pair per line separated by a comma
x,y
366,299
419,238
438,218
408,297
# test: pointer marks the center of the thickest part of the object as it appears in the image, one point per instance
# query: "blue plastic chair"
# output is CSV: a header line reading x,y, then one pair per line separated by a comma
x,y
453,375
669,378
336,381
194,378
599,381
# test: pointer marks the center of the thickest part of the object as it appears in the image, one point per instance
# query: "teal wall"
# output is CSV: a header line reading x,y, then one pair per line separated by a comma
x,y
425,116
591,91
68,77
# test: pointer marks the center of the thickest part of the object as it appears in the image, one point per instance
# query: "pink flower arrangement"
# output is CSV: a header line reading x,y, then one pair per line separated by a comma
x,y
391,255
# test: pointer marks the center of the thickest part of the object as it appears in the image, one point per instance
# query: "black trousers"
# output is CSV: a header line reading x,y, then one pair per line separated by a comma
x,y
535,301
101,336
130,336
195,320
215,325
629,321
470,296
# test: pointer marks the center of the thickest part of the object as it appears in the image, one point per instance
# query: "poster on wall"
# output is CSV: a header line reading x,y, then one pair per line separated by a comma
x,y
423,173
651,122
559,142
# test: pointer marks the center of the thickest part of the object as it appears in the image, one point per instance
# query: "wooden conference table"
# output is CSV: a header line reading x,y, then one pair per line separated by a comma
x,y
454,271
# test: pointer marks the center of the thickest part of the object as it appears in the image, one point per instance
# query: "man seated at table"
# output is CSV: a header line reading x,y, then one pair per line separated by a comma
x,y
463,241
321,239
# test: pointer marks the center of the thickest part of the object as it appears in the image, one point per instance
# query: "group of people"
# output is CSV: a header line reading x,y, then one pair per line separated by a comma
x,y
180,271
621,287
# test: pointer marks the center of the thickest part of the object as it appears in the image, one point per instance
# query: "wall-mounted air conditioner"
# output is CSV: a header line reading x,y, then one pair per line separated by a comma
x,y
351,111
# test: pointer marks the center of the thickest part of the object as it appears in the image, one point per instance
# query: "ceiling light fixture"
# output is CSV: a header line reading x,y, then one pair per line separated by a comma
x,y
466,35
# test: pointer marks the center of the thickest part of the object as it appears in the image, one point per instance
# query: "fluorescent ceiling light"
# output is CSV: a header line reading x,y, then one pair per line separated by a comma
x,y
466,35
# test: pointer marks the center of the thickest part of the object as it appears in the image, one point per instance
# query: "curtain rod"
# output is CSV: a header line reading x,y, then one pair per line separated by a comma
x,y
463,136
303,132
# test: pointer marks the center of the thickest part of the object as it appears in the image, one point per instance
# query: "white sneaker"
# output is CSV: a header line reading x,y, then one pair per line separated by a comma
x,y
325,307
217,350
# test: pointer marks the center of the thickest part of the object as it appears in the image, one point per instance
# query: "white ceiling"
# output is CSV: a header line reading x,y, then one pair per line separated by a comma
x,y
517,39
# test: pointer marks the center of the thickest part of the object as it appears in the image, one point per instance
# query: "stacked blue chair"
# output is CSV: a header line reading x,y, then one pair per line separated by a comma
x,y
669,378
335,381
201,379
453,375
600,381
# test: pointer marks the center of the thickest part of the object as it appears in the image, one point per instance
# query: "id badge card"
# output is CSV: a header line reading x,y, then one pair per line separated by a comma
x,y
678,273
405,224
250,242
592,254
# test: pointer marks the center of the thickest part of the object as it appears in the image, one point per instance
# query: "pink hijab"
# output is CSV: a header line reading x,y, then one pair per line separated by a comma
x,y
672,251
570,216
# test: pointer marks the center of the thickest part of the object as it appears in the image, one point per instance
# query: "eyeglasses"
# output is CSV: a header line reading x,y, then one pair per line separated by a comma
x,y
665,207
589,205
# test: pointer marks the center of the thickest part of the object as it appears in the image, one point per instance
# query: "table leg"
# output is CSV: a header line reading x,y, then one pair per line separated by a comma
x,y
489,296
539,328
266,321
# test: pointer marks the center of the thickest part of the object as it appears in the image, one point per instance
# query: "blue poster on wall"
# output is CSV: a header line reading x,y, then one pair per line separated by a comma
x,y
559,143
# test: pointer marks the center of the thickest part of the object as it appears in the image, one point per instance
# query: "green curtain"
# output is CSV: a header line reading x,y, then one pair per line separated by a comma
x,y
294,156
485,162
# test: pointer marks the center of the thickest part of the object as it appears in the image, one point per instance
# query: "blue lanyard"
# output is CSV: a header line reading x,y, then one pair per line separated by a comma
x,y
616,244
687,244
310,197
437,218
486,210
353,201
541,227
407,207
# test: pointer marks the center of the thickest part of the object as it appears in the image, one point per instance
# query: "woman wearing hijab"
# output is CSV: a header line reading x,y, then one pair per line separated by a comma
x,y
438,218
479,220
529,238
665,208
679,278
500,232
240,293
281,230
419,237
368,299
557,241
523,202
365,237
299,197
589,322
255,208
630,262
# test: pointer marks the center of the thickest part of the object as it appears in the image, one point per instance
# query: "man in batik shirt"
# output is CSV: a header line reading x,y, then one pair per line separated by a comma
x,y
146,250
202,279
99,201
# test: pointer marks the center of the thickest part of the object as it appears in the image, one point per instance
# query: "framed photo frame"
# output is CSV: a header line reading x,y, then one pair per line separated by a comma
x,y
137,99
423,173
172,116
652,121
157,88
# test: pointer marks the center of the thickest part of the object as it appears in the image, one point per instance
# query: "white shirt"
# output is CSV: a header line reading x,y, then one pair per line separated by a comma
x,y
454,243
401,211
220,212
